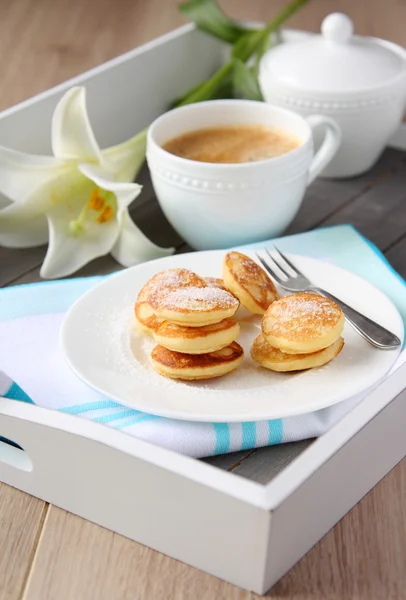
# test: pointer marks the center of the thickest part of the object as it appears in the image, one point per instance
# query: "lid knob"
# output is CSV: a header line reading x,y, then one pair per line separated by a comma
x,y
337,28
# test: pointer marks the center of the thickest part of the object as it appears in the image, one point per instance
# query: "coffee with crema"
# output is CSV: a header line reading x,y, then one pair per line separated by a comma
x,y
232,144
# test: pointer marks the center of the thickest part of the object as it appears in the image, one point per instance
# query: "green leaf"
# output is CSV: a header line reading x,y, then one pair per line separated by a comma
x,y
208,16
245,82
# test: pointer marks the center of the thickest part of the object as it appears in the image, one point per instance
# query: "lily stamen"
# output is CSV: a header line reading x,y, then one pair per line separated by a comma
x,y
96,202
106,215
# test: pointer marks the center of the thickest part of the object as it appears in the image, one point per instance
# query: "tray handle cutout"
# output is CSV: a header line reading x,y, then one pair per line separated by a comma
x,y
12,454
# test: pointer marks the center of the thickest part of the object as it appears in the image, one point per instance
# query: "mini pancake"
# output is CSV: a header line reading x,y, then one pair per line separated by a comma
x,y
248,282
197,340
145,319
168,280
275,360
215,282
302,323
189,367
194,307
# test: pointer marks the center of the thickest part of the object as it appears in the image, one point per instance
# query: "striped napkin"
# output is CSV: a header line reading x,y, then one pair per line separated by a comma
x,y
32,368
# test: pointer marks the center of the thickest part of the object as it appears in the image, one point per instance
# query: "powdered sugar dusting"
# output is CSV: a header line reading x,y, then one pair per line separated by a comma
x,y
199,299
302,314
171,279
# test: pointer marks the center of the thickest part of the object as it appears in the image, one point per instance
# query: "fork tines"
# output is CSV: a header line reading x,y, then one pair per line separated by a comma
x,y
279,263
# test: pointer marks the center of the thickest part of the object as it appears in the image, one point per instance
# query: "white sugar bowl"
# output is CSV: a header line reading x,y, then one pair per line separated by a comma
x,y
358,81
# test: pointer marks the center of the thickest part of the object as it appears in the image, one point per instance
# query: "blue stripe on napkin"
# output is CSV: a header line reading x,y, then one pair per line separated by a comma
x,y
222,433
16,393
249,436
275,432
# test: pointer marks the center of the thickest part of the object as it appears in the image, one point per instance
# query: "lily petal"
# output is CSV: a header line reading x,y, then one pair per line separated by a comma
x,y
125,192
66,184
21,174
20,228
68,252
72,134
126,159
133,247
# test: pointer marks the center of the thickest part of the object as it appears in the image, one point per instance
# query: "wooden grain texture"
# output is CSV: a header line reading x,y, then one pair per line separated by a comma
x,y
326,198
397,257
379,213
44,42
21,519
264,464
77,560
362,558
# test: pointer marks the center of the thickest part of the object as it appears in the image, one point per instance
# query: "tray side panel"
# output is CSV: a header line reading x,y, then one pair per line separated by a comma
x,y
124,95
173,514
323,499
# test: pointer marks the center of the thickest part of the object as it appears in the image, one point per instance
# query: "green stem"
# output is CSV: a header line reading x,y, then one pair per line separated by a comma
x,y
207,89
285,13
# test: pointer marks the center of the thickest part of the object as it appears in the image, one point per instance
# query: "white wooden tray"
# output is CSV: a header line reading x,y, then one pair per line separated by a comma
x,y
178,505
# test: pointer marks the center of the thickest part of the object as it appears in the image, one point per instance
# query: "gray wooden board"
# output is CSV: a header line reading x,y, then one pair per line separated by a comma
x,y
327,197
374,202
397,256
380,213
265,463
14,263
228,462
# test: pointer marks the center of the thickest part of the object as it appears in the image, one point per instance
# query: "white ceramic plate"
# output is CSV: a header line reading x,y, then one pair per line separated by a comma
x,y
103,348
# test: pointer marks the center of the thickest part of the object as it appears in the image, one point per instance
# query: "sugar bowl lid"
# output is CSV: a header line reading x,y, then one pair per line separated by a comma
x,y
336,61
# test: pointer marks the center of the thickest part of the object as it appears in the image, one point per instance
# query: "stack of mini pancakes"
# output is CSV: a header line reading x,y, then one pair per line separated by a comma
x,y
191,317
301,331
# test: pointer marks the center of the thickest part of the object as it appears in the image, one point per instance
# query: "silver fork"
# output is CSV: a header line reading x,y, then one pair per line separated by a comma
x,y
375,334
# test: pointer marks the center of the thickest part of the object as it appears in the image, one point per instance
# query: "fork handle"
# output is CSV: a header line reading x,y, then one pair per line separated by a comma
x,y
371,331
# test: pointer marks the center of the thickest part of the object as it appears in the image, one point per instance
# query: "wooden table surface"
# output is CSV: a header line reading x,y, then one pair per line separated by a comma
x,y
49,554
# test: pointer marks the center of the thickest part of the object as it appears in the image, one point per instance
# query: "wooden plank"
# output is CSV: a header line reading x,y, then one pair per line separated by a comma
x,y
370,18
21,521
16,262
265,463
325,197
77,560
228,462
379,213
397,256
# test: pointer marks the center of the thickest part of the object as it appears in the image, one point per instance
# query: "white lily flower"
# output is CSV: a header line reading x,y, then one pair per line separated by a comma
x,y
78,199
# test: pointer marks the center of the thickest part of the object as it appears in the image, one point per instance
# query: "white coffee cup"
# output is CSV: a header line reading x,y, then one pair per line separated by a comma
x,y
217,205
